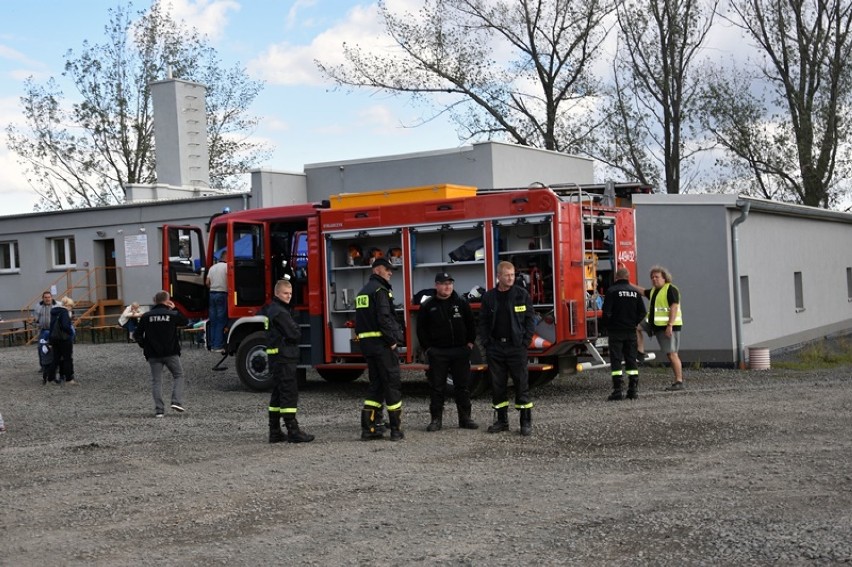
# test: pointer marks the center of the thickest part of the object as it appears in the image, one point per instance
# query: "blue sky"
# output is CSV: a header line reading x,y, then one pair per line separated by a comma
x,y
303,119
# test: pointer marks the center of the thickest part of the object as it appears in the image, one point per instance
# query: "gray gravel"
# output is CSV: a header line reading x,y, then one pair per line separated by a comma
x,y
742,468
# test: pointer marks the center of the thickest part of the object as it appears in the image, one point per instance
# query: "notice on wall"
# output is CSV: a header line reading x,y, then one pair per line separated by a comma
x,y
136,250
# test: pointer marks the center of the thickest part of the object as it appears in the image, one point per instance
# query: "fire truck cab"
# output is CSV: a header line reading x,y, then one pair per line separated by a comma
x,y
565,243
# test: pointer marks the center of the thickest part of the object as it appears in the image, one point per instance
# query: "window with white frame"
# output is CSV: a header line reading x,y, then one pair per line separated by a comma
x,y
9,257
64,252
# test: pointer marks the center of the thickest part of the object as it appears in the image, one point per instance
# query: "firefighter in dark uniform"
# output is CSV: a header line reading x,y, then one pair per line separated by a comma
x,y
379,336
447,333
506,327
623,310
282,340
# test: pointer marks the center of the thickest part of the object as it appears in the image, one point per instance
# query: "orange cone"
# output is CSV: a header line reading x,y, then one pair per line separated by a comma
x,y
538,342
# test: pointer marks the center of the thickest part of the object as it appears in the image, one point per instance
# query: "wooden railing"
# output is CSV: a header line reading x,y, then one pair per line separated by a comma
x,y
94,292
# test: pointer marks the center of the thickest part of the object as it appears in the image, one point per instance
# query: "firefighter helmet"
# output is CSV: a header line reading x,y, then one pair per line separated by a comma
x,y
372,255
353,255
395,255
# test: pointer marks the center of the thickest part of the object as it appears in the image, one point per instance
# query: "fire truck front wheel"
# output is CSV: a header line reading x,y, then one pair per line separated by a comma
x,y
252,364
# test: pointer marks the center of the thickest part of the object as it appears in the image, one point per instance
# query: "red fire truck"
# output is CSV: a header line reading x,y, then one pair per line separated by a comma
x,y
565,242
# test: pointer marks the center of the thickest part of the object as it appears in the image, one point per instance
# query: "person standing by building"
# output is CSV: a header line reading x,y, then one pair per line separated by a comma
x,y
41,315
158,335
447,333
379,336
282,339
665,320
217,281
623,311
506,327
61,335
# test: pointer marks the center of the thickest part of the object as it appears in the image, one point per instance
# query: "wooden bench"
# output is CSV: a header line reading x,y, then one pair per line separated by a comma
x,y
99,334
193,334
15,337
17,331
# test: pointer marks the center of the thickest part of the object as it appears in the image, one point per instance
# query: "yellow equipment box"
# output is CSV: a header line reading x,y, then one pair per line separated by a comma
x,y
404,195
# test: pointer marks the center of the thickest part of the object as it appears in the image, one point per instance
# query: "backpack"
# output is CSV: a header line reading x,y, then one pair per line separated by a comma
x,y
57,333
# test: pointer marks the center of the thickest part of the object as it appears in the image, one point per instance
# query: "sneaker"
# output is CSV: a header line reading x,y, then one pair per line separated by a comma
x,y
178,408
676,387
158,414
72,382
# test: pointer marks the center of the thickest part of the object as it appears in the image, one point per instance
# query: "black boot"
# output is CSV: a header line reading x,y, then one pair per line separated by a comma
x,y
368,424
381,422
294,434
526,422
633,388
465,421
617,389
501,421
276,435
437,421
395,418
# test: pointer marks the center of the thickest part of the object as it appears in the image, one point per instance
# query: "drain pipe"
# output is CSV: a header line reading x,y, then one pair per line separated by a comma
x,y
738,299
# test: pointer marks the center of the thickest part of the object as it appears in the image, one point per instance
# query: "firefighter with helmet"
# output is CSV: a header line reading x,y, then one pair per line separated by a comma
x,y
379,336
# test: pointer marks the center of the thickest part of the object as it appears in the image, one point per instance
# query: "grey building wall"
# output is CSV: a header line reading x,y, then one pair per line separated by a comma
x,y
93,230
278,188
484,165
691,236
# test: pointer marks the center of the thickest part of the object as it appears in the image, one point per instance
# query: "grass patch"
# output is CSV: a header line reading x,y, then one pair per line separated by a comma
x,y
819,355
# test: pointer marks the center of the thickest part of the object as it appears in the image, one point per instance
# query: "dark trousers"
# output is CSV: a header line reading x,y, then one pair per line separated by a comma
x,y
623,346
63,359
383,366
285,387
445,361
505,359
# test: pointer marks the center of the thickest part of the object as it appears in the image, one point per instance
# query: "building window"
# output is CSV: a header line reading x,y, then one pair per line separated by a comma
x,y
64,252
745,296
9,257
849,284
800,295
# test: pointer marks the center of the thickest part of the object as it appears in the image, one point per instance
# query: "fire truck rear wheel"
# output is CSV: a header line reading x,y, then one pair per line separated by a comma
x,y
252,364
340,376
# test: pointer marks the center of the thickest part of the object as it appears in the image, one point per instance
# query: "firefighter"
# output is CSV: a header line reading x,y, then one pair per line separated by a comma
x,y
623,310
282,339
506,327
379,336
447,333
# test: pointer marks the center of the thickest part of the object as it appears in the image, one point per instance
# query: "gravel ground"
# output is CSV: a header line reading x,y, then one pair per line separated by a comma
x,y
741,468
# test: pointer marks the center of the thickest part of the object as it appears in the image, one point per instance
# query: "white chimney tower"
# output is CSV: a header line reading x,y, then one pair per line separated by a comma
x,y
180,133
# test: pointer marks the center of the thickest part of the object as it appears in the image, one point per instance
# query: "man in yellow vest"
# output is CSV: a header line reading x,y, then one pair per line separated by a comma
x,y
664,321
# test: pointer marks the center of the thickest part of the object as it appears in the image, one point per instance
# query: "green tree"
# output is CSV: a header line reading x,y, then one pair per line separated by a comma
x,y
655,88
513,69
784,122
83,156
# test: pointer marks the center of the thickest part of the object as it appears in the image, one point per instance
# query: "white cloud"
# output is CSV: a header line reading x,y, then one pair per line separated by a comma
x,y
293,13
379,119
16,195
287,64
15,55
209,17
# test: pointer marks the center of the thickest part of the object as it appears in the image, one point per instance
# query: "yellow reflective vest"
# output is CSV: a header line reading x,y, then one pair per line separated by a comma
x,y
660,308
